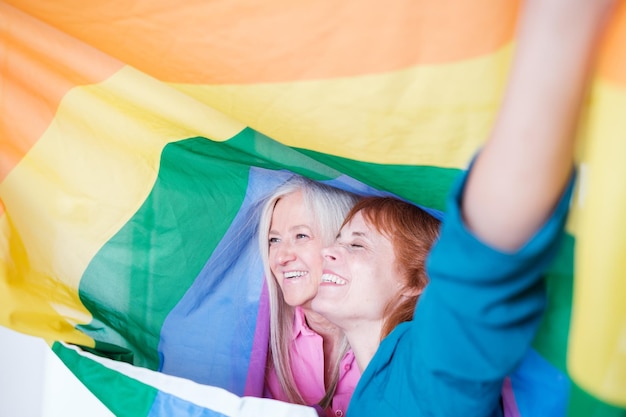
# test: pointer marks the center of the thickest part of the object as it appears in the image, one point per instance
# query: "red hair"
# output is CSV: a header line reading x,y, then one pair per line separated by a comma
x,y
412,232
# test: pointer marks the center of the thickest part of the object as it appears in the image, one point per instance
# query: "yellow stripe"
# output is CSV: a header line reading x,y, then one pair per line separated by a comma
x,y
597,349
30,300
87,175
428,115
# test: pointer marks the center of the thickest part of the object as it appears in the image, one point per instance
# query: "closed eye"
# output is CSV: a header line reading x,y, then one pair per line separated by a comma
x,y
357,244
350,245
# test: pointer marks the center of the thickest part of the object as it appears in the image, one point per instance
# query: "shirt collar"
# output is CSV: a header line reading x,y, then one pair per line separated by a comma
x,y
299,325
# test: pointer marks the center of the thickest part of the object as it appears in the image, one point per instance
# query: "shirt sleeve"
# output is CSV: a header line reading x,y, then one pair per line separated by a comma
x,y
482,306
472,325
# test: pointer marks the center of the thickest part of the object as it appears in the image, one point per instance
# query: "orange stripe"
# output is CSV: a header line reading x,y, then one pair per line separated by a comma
x,y
250,41
39,66
612,64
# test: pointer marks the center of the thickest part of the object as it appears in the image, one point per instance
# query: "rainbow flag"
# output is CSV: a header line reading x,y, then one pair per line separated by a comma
x,y
137,139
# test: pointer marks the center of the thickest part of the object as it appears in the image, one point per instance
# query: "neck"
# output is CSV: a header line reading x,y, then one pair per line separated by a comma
x,y
320,325
364,339
331,338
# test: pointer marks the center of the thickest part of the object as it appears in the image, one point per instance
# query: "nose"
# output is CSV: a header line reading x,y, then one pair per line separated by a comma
x,y
329,253
285,254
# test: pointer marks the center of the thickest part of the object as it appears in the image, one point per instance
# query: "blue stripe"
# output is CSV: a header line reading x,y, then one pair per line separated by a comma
x,y
208,336
540,389
171,406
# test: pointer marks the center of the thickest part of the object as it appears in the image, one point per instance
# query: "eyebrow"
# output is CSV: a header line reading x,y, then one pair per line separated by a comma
x,y
291,229
357,234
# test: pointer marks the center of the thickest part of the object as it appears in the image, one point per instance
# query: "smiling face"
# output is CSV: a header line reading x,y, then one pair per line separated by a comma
x,y
360,276
295,250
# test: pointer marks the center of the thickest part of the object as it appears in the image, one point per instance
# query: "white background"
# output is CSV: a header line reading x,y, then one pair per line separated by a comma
x,y
35,383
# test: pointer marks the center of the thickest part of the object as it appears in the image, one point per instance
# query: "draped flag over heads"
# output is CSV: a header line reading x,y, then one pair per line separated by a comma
x,y
138,139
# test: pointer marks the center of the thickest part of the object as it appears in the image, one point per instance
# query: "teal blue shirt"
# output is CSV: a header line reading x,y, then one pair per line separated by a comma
x,y
473,325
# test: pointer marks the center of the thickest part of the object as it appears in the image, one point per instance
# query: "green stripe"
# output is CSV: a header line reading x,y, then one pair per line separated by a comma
x,y
424,185
582,404
124,396
551,339
144,270
141,273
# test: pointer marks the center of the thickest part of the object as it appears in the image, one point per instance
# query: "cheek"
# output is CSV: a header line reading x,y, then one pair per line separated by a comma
x,y
389,284
272,263
312,256
377,281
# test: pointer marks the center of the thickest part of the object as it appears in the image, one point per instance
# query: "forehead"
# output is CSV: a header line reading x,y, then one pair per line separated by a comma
x,y
294,199
358,227
291,209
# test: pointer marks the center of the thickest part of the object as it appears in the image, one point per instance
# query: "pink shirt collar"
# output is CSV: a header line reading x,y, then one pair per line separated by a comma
x,y
307,364
300,328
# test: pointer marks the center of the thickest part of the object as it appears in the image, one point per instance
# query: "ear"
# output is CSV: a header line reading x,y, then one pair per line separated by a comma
x,y
411,292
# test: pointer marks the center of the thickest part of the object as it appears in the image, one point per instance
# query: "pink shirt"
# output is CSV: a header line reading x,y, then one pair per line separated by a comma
x,y
307,365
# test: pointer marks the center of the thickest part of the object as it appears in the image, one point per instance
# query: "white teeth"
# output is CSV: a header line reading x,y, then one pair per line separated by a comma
x,y
334,279
293,274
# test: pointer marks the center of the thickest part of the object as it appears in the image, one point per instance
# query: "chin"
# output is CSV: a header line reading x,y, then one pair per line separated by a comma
x,y
299,302
321,306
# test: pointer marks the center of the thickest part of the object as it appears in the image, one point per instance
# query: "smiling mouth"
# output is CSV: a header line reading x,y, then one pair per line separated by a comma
x,y
294,274
330,278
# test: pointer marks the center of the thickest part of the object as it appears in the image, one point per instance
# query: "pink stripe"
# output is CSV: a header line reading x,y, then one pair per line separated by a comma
x,y
508,399
255,382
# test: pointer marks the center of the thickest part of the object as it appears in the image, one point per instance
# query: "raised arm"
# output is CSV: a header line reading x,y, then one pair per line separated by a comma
x,y
524,167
